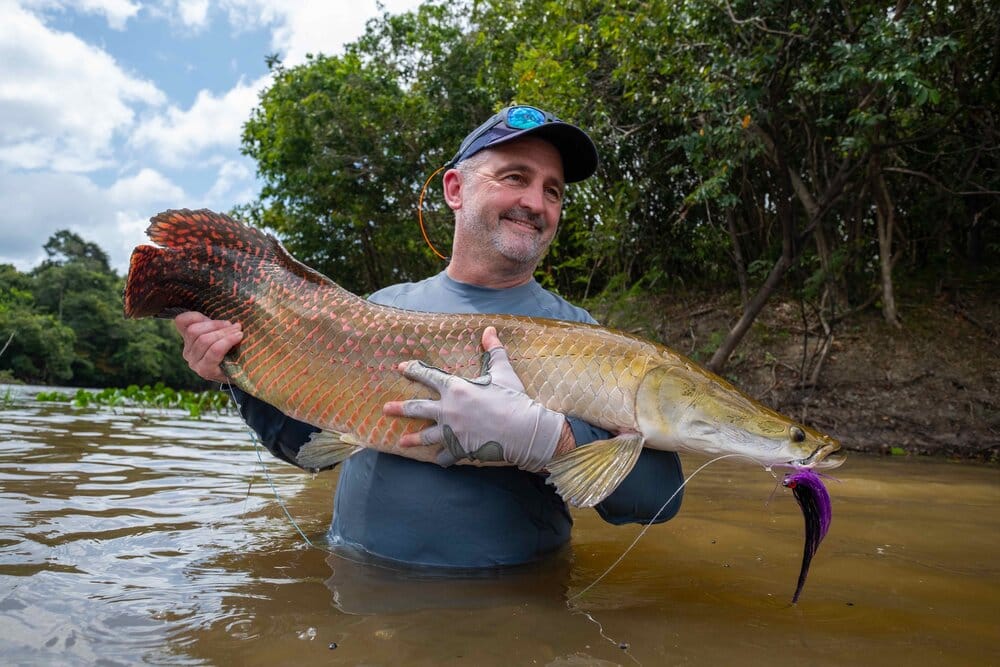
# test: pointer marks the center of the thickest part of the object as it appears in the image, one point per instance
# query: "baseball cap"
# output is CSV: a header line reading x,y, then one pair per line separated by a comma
x,y
579,155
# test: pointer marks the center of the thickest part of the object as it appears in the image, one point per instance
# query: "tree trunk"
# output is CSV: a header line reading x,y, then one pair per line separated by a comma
x,y
787,181
741,267
750,312
7,344
831,276
786,217
885,218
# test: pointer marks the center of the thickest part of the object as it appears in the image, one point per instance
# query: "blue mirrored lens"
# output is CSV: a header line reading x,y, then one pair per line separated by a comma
x,y
524,118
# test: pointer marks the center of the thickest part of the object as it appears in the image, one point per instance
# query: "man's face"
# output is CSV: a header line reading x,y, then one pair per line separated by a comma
x,y
512,200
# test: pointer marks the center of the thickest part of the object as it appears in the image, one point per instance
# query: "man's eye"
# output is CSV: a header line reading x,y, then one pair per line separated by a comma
x,y
553,194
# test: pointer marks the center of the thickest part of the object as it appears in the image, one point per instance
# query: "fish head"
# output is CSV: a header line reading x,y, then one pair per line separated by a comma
x,y
682,407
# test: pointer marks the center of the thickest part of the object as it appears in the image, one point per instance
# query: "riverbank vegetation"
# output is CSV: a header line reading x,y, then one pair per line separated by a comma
x,y
62,323
838,161
158,397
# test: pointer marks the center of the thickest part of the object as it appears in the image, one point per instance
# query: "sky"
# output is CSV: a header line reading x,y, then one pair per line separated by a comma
x,y
114,110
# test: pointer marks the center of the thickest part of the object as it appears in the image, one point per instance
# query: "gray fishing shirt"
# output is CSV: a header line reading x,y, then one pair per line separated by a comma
x,y
398,509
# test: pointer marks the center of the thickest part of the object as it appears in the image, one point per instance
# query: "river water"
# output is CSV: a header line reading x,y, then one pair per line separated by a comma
x,y
133,536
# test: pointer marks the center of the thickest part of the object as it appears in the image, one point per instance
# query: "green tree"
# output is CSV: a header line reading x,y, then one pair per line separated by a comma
x,y
78,289
776,129
36,347
827,149
344,144
151,353
66,246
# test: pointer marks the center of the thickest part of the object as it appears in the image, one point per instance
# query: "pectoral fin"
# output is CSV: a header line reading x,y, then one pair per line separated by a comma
x,y
326,449
588,474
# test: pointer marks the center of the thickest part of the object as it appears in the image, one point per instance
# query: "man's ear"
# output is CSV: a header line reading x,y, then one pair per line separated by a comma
x,y
452,182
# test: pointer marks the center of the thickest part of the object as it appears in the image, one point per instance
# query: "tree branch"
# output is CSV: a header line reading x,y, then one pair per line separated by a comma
x,y
758,23
931,179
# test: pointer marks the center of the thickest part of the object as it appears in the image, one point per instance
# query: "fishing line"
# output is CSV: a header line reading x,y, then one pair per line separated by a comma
x,y
656,516
267,473
600,630
291,519
258,446
420,213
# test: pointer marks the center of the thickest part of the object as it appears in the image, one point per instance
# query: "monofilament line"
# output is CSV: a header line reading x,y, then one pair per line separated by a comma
x,y
267,473
281,502
653,520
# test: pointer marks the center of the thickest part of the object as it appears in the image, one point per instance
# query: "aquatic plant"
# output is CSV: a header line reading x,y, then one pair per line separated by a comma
x,y
157,396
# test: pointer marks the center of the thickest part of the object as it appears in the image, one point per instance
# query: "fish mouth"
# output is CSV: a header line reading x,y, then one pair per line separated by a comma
x,y
825,456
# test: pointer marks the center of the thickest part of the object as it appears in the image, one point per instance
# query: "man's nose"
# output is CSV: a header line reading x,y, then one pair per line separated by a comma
x,y
533,198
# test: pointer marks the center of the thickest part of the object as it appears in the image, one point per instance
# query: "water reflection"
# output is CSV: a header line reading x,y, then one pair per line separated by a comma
x,y
364,587
148,537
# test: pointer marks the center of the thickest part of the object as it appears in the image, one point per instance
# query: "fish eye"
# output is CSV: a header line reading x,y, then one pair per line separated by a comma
x,y
798,435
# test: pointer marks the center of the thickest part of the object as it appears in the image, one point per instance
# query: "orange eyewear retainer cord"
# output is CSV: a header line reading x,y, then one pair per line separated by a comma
x,y
420,213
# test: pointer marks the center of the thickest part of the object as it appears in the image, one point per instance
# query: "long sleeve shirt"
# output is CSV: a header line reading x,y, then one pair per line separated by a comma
x,y
419,513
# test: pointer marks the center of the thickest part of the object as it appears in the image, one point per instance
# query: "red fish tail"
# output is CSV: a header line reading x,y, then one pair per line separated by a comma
x,y
158,285
206,262
198,254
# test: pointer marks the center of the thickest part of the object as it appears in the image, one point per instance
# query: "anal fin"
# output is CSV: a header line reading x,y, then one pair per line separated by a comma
x,y
588,474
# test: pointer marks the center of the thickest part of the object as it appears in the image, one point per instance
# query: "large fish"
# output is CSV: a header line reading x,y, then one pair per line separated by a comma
x,y
327,357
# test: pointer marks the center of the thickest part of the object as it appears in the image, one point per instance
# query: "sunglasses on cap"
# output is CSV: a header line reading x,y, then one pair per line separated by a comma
x,y
506,122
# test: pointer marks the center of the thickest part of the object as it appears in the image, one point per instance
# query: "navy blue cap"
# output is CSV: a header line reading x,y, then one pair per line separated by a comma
x,y
579,155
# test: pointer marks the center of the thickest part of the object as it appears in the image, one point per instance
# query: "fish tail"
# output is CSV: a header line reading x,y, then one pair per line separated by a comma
x,y
196,249
149,291
202,256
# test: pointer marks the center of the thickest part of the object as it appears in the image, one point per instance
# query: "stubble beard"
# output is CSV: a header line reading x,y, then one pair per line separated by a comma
x,y
520,248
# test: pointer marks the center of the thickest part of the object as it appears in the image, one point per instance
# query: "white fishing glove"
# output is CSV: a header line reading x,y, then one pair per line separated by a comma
x,y
489,418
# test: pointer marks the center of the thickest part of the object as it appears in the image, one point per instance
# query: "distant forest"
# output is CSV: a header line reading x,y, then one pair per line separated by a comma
x,y
62,323
840,152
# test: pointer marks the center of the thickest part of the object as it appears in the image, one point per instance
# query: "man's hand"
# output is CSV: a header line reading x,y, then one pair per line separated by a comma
x,y
206,343
489,418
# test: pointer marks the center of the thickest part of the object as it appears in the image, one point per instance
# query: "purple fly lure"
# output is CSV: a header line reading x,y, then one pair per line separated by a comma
x,y
816,510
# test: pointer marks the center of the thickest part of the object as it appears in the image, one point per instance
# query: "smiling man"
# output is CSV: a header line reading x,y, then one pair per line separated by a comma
x,y
507,203
505,185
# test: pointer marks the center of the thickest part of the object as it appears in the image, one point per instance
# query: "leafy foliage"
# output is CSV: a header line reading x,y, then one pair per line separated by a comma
x,y
62,323
158,396
834,150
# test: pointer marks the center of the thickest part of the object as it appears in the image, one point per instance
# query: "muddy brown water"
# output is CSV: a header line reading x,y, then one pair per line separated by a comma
x,y
135,536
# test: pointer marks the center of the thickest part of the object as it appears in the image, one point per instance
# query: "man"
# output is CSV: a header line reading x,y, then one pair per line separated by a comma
x,y
505,185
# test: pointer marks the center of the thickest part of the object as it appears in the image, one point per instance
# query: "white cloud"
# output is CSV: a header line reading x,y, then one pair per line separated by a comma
x,y
212,122
115,218
314,26
68,108
36,206
310,26
193,13
235,183
61,100
115,12
144,189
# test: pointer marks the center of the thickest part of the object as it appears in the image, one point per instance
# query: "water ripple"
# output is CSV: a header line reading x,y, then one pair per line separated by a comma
x,y
114,519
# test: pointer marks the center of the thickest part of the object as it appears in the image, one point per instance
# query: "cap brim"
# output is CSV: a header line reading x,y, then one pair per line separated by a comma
x,y
578,152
